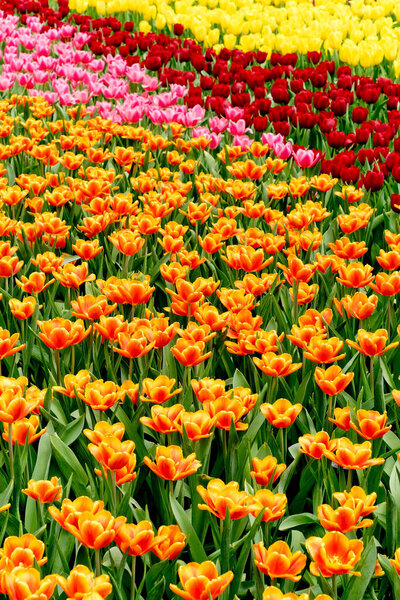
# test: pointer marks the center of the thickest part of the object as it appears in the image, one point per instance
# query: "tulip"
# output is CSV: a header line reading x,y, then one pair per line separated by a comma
x,y
278,562
44,491
60,333
334,554
81,583
371,424
170,463
25,583
171,542
332,380
282,413
352,456
372,343
277,365
220,497
266,469
201,581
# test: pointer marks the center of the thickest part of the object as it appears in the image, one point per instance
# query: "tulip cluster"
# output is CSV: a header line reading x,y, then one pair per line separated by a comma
x,y
199,334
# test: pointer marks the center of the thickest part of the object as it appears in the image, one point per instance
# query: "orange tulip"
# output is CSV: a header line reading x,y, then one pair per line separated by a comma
x,y
170,463
24,583
276,365
44,491
273,593
355,275
278,562
343,519
172,542
92,526
386,284
334,554
164,420
227,410
126,241
357,496
372,343
395,562
35,283
371,424
135,344
103,430
22,551
162,331
350,193
332,380
297,270
189,353
87,249
100,394
274,505
344,248
159,390
24,430
207,314
245,257
109,327
115,456
322,350
353,456
60,333
47,262
74,383
389,260
198,425
7,343
316,445
236,300
23,309
10,265
90,307
342,418
200,581
301,336
136,539
359,306
73,276
81,583
282,413
305,294
173,271
15,407
220,496
266,469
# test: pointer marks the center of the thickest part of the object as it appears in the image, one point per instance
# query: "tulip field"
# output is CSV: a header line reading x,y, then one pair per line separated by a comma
x,y
199,314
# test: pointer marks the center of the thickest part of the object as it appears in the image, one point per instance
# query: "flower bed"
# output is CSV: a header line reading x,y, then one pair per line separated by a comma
x,y
199,265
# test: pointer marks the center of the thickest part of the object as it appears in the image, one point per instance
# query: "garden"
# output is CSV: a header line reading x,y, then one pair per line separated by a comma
x,y
199,324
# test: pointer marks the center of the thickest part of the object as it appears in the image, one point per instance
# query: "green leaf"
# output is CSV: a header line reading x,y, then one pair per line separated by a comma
x,y
183,519
69,464
296,520
239,380
358,585
243,556
72,431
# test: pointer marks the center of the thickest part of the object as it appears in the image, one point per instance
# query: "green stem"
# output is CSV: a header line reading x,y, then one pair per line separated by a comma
x,y
349,480
133,577
10,451
295,300
58,366
371,374
98,561
334,587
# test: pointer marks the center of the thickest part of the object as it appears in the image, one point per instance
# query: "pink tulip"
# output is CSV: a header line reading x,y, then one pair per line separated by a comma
x,y
305,158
